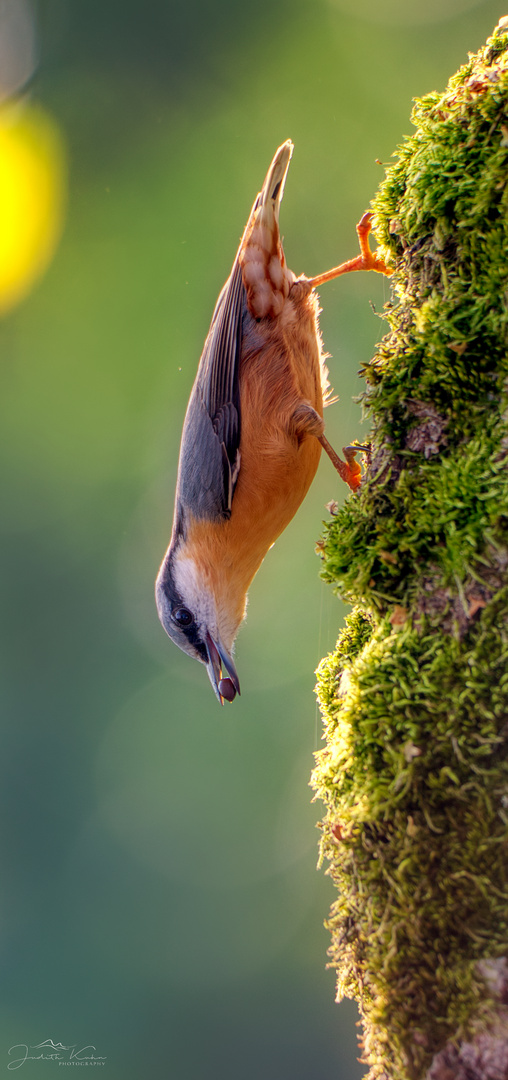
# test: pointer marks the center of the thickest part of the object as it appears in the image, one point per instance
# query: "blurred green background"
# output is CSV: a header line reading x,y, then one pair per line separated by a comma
x,y
159,893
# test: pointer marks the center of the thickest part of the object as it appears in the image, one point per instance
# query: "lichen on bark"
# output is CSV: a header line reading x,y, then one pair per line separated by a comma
x,y
414,773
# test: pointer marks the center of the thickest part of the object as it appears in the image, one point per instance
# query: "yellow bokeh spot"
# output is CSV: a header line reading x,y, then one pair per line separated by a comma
x,y
32,198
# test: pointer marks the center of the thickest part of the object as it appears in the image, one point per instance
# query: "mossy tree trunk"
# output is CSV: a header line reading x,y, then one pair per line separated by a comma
x,y
414,774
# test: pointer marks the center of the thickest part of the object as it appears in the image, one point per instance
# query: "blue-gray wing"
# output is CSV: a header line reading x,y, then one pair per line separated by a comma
x,y
209,451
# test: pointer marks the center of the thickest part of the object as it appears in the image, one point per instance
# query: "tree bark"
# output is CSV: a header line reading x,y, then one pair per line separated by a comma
x,y
414,774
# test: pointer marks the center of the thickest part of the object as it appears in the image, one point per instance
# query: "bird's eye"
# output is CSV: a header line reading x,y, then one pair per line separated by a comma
x,y
182,616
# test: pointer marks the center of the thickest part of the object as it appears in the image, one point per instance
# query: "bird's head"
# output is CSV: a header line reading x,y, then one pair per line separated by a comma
x,y
199,620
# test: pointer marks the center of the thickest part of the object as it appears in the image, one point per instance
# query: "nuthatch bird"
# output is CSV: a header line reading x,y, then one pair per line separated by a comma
x,y
252,436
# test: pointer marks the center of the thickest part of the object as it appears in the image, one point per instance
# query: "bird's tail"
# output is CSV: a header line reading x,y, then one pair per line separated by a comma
x,y
273,187
265,276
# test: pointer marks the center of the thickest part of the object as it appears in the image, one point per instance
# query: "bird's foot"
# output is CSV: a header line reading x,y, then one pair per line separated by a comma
x,y
366,260
308,422
349,470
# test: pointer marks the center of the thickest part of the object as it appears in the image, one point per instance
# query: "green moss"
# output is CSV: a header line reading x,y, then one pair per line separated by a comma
x,y
414,774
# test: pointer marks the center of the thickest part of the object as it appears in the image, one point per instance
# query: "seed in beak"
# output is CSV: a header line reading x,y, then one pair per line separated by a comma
x,y
227,690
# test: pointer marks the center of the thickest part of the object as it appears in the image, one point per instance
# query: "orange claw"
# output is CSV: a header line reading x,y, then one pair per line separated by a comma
x,y
367,260
349,470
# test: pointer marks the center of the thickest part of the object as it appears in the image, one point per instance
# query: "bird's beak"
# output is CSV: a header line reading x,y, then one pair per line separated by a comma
x,y
219,658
